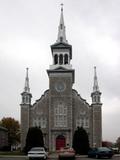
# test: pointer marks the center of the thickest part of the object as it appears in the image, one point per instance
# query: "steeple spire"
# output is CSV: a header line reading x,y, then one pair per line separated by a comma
x,y
26,95
61,50
96,94
61,29
26,88
95,86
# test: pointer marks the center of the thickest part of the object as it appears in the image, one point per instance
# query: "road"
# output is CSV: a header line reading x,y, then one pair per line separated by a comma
x,y
77,158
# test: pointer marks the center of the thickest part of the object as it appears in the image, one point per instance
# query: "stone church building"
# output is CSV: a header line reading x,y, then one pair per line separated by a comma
x,y
61,109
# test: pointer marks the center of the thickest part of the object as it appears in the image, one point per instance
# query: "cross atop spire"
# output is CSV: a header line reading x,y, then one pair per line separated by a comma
x,y
95,86
26,88
61,28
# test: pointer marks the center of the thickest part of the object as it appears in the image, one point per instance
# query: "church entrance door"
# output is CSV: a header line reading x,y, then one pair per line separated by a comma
x,y
60,142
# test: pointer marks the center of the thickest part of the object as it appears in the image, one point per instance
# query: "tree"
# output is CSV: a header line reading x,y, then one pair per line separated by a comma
x,y
34,138
80,141
107,144
118,142
13,127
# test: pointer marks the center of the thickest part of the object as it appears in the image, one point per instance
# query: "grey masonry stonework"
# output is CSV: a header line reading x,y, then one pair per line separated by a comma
x,y
61,109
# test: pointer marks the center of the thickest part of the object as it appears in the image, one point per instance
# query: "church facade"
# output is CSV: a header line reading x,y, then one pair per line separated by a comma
x,y
60,110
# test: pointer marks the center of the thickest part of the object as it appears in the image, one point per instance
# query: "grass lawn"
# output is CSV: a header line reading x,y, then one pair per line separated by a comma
x,y
11,153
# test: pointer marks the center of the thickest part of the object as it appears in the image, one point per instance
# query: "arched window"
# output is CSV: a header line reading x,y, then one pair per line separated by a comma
x,y
60,112
40,122
61,59
98,99
56,59
61,39
82,122
27,99
94,98
66,59
23,99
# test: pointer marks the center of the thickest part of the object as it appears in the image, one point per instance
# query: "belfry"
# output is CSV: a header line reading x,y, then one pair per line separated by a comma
x,y
60,110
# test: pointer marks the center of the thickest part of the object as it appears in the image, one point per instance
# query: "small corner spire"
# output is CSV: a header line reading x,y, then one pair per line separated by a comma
x,y
95,86
61,28
26,88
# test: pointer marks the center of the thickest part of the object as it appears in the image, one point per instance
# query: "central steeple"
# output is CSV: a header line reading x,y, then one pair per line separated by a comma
x,y
61,28
61,50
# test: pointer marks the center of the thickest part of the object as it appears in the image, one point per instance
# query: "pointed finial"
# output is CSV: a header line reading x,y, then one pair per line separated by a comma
x,y
61,28
27,89
27,72
95,86
95,71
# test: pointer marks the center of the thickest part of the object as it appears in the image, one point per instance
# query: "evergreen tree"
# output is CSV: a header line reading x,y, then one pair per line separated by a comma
x,y
34,138
80,141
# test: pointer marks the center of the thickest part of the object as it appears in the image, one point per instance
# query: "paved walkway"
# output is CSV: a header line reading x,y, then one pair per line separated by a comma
x,y
50,156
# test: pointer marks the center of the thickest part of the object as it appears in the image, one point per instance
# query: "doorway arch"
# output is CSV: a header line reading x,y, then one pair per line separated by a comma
x,y
60,142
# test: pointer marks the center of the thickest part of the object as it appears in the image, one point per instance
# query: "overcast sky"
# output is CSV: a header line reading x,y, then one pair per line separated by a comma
x,y
29,27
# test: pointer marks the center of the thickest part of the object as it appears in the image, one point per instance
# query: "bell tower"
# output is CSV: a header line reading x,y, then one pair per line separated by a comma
x,y
96,108
61,79
25,108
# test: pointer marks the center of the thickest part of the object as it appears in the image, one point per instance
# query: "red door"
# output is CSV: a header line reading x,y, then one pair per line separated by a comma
x,y
60,142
